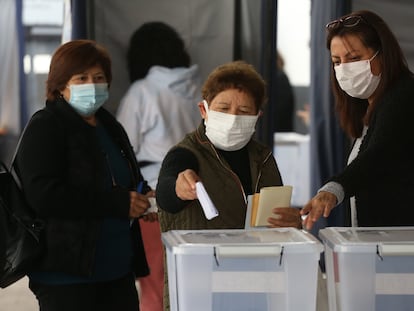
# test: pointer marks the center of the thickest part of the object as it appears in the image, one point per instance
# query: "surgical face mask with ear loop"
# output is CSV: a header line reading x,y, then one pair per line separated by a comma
x,y
356,78
86,99
229,132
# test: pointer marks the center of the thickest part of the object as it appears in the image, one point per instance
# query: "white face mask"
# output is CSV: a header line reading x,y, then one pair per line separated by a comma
x,y
356,78
229,132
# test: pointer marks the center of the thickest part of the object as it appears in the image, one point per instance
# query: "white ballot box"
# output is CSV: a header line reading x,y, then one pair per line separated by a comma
x,y
242,270
369,268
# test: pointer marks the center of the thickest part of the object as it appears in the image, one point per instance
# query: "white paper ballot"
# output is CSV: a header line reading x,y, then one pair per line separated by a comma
x,y
153,208
209,209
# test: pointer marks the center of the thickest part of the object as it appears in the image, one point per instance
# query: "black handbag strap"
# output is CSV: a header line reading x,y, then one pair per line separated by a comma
x,y
12,169
36,225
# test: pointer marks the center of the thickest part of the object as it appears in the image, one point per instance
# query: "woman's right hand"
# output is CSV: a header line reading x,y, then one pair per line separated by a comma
x,y
320,205
185,187
138,204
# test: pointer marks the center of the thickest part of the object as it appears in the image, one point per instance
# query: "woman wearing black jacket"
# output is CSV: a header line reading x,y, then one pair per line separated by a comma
x,y
374,91
80,175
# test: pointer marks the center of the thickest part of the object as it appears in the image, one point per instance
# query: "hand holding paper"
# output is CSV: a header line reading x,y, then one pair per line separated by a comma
x,y
209,209
153,207
266,200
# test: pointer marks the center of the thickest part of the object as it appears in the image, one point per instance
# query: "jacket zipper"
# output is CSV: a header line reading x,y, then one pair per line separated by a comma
x,y
231,172
109,169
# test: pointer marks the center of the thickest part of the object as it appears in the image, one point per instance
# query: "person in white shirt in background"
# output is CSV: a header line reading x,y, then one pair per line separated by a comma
x,y
159,108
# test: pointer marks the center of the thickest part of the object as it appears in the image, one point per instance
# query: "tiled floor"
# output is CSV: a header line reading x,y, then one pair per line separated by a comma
x,y
18,297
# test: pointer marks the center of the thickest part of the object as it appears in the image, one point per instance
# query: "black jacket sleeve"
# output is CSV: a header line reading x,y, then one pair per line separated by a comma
x,y
176,161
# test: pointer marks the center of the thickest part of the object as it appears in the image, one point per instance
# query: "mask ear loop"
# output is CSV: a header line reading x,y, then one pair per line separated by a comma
x,y
370,60
205,105
206,109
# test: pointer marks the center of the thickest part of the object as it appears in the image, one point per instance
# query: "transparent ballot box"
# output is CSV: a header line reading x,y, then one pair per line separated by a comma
x,y
242,270
369,268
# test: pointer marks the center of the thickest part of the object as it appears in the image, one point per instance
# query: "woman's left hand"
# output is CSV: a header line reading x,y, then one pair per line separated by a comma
x,y
138,204
150,216
285,217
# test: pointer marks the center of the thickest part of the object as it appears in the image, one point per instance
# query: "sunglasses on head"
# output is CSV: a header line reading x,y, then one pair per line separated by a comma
x,y
349,21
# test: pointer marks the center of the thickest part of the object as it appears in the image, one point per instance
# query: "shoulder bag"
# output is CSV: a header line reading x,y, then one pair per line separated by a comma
x,y
20,229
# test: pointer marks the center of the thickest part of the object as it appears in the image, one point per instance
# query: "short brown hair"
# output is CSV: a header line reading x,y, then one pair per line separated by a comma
x,y
235,75
72,58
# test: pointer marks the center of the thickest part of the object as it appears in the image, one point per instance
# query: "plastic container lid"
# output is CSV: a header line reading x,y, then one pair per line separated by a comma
x,y
243,242
397,241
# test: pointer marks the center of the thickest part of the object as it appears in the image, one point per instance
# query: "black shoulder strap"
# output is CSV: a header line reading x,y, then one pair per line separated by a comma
x,y
12,169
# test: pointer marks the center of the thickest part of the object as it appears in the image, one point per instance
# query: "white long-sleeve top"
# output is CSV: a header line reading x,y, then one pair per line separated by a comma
x,y
158,111
352,156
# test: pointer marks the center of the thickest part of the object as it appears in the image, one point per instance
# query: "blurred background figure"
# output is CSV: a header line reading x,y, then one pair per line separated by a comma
x,y
158,109
304,114
284,106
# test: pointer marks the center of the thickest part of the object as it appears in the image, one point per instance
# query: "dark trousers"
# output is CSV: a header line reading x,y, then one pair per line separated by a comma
x,y
116,295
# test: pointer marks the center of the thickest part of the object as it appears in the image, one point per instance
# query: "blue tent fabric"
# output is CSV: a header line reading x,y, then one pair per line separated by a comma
x,y
267,68
328,142
79,19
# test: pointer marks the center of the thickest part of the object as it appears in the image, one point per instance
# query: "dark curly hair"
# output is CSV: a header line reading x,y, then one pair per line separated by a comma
x,y
155,43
